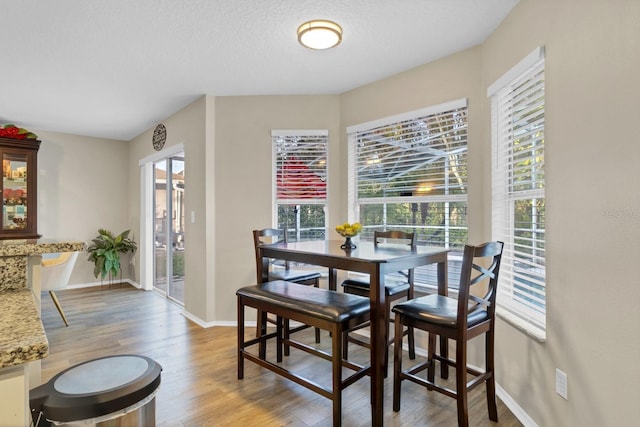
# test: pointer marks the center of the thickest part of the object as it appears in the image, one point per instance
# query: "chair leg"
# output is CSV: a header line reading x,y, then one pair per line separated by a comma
x,y
412,344
345,345
261,330
240,310
59,307
397,362
491,381
431,351
461,383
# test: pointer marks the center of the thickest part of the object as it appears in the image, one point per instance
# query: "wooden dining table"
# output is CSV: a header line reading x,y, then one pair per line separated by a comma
x,y
377,263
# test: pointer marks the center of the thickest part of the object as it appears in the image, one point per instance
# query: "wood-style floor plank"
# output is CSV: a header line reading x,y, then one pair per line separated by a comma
x,y
199,385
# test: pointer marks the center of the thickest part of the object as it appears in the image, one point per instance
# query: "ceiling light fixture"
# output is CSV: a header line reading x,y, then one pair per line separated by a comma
x,y
319,34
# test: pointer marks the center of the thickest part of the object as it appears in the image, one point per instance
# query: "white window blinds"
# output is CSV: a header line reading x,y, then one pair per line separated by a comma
x,y
409,172
300,183
518,197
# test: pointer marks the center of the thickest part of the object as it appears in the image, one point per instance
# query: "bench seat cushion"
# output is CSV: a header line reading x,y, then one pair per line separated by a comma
x,y
321,303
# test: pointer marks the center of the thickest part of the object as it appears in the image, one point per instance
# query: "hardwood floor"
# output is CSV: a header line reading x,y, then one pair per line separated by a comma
x,y
199,385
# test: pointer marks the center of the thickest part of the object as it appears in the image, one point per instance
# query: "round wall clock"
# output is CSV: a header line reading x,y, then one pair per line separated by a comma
x,y
159,137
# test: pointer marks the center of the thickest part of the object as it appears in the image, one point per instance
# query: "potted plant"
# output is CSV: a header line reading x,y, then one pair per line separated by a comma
x,y
104,252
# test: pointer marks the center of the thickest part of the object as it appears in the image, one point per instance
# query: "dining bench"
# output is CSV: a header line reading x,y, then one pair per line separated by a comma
x,y
325,309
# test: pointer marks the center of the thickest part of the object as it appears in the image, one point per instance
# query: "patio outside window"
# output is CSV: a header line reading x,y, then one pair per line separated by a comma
x,y
409,173
300,183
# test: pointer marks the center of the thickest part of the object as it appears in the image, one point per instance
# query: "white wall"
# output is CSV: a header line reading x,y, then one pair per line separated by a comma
x,y
186,127
82,186
243,190
592,211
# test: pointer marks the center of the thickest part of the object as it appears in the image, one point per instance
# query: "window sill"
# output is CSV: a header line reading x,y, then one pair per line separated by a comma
x,y
524,327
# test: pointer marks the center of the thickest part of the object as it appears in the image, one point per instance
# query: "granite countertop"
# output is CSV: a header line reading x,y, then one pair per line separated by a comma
x,y
22,336
36,247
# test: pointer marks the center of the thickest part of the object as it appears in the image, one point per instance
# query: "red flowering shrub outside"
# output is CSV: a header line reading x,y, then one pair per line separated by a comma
x,y
12,131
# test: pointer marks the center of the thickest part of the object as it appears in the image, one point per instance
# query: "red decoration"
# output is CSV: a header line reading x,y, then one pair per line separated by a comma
x,y
14,132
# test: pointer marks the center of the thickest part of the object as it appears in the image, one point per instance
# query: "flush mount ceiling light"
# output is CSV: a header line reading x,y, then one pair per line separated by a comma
x,y
319,34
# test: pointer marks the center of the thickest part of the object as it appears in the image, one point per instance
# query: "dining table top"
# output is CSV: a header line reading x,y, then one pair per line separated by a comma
x,y
365,251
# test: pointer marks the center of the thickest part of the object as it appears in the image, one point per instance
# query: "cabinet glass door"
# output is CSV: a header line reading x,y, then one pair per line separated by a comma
x,y
14,191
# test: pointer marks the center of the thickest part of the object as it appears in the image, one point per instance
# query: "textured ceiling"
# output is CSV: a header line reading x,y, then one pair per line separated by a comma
x,y
114,68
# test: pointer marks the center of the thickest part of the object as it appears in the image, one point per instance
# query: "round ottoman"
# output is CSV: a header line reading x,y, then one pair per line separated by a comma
x,y
109,391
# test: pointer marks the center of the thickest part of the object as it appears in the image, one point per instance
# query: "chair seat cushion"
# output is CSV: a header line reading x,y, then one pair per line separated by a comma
x,y
438,309
293,275
321,303
361,287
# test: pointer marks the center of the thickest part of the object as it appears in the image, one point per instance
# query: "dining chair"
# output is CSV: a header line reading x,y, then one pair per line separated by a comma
x,y
396,288
55,271
282,271
459,319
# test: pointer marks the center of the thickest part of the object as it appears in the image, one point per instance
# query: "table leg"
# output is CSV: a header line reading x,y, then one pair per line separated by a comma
x,y
333,279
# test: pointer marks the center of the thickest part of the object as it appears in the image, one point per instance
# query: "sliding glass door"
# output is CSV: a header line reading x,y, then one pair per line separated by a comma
x,y
169,222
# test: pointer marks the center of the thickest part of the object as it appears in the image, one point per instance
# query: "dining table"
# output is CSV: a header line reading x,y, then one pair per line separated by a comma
x,y
377,262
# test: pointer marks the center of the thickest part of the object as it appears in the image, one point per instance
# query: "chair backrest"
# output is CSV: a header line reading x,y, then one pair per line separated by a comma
x,y
268,236
55,270
480,267
397,236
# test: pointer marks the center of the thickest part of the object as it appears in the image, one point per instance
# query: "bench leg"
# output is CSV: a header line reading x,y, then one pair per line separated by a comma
x,y
279,322
287,334
336,364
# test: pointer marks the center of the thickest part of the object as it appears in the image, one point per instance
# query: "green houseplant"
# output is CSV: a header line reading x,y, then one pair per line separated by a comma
x,y
104,252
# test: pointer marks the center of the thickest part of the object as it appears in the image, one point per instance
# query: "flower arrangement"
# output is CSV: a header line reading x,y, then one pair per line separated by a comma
x,y
14,132
349,230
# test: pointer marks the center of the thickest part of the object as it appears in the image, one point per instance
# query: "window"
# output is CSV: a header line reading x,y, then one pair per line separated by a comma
x,y
300,183
518,197
409,172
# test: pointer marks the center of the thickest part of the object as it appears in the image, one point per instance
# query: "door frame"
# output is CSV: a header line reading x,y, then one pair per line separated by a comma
x,y
147,212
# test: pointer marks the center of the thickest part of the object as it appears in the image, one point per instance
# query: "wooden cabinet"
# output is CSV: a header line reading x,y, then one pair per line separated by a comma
x,y
19,188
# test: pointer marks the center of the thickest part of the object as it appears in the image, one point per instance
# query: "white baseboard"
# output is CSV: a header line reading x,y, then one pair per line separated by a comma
x,y
103,283
513,406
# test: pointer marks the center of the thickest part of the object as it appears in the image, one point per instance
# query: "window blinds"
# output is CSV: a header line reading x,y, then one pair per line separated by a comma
x,y
518,196
409,172
300,182
300,167
421,156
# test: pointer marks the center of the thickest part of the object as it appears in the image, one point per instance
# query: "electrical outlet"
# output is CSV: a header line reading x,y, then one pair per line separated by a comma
x,y
561,384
